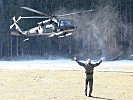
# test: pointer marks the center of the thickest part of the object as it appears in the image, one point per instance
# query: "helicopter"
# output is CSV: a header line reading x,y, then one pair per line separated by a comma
x,y
52,25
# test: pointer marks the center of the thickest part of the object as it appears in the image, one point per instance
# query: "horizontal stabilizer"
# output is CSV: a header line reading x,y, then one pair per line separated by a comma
x,y
15,33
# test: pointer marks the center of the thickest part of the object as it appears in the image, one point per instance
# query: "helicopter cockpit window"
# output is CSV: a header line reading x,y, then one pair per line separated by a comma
x,y
65,23
49,26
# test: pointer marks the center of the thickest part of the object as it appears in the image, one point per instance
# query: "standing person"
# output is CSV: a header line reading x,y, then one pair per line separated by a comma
x,y
89,68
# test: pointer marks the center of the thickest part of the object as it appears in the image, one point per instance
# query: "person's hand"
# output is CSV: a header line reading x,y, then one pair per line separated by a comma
x,y
103,58
74,58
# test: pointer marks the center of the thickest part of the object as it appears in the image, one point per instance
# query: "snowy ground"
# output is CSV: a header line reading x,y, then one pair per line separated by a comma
x,y
67,64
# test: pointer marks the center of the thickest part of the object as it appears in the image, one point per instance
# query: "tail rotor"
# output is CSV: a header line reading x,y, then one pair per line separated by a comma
x,y
15,21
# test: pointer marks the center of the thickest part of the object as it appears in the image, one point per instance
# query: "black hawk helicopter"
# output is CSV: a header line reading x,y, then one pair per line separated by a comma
x,y
51,26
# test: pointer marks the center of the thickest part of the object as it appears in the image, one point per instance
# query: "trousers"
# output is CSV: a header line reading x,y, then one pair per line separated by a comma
x,y
89,79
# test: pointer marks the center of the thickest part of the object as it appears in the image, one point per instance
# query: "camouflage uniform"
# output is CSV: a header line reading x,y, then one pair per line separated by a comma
x,y
89,68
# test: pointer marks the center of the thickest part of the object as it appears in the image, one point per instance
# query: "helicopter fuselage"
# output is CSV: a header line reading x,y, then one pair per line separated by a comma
x,y
62,28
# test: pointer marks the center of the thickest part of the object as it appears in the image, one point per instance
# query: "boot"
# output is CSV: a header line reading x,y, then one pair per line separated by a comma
x,y
85,92
90,95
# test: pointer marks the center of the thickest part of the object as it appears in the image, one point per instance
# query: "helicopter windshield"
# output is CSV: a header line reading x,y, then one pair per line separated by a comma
x,y
65,23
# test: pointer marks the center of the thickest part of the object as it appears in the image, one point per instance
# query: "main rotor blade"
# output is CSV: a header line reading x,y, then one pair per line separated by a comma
x,y
75,13
34,17
33,10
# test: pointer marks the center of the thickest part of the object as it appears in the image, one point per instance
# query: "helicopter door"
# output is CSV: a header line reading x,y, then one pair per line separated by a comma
x,y
48,28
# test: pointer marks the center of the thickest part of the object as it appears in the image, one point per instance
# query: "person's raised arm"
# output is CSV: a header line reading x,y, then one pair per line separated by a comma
x,y
102,58
98,63
80,63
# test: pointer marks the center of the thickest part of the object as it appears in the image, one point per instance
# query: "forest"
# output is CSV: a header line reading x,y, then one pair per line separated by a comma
x,y
107,31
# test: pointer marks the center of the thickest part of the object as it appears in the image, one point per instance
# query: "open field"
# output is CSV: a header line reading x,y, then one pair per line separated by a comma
x,y
63,85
